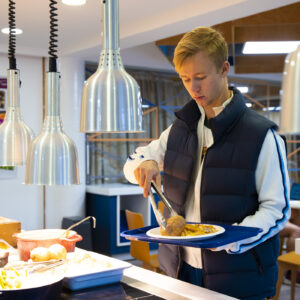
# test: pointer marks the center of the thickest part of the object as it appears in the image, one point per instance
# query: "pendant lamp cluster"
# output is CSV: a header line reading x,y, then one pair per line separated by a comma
x,y
52,156
15,135
111,102
111,98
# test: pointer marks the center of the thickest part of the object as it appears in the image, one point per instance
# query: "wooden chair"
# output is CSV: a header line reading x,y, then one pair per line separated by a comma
x,y
282,245
289,261
138,249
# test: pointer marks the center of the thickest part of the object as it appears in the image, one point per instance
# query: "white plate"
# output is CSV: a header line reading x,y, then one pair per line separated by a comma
x,y
155,232
36,280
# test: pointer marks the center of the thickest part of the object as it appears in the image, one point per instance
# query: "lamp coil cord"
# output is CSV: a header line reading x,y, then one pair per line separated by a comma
x,y
53,36
12,35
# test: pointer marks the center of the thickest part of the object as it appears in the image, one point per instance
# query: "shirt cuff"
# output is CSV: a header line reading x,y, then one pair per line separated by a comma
x,y
133,161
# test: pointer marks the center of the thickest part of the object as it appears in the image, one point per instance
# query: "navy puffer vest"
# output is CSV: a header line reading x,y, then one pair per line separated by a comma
x,y
228,195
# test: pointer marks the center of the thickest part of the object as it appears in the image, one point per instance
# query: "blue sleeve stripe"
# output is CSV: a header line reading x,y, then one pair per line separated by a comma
x,y
284,210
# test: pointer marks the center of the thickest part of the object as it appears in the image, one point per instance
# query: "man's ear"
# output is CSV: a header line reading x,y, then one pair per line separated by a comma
x,y
225,68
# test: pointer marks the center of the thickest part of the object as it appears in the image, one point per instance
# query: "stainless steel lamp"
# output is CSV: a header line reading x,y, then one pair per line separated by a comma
x,y
290,98
52,156
15,135
111,99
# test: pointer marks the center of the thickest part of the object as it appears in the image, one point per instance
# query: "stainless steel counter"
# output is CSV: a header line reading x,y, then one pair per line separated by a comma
x,y
167,287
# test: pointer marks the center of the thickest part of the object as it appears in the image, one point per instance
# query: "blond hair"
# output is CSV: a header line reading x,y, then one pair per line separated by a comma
x,y
201,39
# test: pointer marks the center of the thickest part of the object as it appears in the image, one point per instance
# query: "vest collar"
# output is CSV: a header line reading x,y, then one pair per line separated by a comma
x,y
222,123
226,120
190,114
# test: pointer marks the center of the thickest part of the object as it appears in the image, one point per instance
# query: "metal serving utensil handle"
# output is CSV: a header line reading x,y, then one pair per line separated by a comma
x,y
46,267
159,218
164,199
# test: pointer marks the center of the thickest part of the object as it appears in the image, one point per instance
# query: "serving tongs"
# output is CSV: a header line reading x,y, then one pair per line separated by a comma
x,y
39,266
48,266
163,199
159,217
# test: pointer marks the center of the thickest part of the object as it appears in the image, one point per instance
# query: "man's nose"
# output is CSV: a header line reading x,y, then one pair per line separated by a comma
x,y
195,86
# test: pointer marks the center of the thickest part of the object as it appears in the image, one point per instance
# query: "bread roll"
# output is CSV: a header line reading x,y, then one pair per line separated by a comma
x,y
57,251
39,254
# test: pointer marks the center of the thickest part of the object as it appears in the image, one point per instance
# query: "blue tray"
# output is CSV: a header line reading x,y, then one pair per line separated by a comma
x,y
232,234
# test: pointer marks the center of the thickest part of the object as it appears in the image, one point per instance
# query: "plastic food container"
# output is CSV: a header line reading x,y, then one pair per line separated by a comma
x,y
28,240
96,275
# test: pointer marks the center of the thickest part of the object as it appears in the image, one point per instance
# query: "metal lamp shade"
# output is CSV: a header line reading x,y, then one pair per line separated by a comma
x,y
290,98
52,156
15,135
111,99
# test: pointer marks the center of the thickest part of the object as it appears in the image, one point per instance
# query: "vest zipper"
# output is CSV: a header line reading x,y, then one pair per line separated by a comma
x,y
201,169
202,256
203,269
179,262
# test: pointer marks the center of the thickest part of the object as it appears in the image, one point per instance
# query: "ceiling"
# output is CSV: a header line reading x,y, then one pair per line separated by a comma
x,y
141,22
278,24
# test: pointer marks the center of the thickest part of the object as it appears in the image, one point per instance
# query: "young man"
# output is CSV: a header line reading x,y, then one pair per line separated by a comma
x,y
222,163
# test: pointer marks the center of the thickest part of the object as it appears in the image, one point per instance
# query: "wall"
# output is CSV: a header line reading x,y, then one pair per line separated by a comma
x,y
146,56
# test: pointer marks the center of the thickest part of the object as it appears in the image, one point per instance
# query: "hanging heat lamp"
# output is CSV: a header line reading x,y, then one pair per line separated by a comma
x,y
290,98
52,156
15,135
111,99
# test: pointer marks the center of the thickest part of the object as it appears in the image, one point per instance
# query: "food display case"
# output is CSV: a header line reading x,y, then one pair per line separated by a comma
x,y
89,275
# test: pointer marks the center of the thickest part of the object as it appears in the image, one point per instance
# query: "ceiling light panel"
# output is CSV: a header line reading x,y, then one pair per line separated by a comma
x,y
74,2
276,47
243,89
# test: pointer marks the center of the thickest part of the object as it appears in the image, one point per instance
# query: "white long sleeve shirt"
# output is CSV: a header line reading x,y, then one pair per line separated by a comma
x,y
272,184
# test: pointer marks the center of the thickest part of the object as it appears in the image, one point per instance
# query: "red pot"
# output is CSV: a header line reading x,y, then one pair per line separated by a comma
x,y
28,240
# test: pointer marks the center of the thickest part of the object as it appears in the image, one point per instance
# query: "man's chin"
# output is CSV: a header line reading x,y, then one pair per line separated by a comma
x,y
201,102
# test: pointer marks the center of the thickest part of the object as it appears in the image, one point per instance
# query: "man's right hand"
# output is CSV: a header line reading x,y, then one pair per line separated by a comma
x,y
145,172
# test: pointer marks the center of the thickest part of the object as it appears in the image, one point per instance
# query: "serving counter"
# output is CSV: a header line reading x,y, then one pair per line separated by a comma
x,y
89,275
